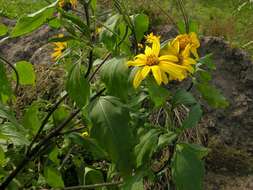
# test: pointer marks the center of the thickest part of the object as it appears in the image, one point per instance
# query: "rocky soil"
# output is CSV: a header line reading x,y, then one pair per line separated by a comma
x,y
229,132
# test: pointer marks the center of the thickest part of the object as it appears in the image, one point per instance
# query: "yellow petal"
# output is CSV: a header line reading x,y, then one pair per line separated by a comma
x,y
174,70
145,71
136,63
157,74
195,53
156,47
137,79
172,58
194,39
164,77
148,51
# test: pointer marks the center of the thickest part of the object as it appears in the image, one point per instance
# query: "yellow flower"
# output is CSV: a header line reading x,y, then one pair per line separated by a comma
x,y
160,66
59,49
189,40
63,3
184,58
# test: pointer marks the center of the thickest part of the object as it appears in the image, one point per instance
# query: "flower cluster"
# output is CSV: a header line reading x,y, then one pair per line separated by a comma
x,y
59,48
173,63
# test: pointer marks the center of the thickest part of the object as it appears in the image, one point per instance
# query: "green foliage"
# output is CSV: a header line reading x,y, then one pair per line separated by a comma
x,y
193,118
26,73
5,86
187,168
53,177
3,29
183,97
77,85
110,128
92,176
141,23
33,21
114,74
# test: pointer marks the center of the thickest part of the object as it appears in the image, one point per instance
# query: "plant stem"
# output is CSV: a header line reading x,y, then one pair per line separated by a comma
x,y
30,156
15,71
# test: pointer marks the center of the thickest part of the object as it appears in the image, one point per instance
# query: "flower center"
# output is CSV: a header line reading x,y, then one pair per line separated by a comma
x,y
152,60
184,41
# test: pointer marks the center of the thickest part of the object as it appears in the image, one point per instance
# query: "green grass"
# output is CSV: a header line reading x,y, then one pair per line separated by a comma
x,y
16,8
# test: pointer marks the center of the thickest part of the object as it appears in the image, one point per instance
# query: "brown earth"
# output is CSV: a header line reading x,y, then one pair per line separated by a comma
x,y
229,132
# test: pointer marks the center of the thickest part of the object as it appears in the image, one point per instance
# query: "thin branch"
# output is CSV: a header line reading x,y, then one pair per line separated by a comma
x,y
15,71
73,130
53,134
44,122
95,185
186,19
97,69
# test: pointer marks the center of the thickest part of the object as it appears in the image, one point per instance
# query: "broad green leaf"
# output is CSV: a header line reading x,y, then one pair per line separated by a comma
x,y
5,86
110,128
183,97
193,27
187,169
9,132
107,35
77,86
3,29
134,182
92,176
26,73
193,118
114,74
146,146
53,177
157,93
90,145
53,156
166,139
60,114
204,76
31,119
7,114
199,150
212,95
55,23
141,24
33,21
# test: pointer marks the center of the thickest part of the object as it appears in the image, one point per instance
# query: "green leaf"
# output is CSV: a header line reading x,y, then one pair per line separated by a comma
x,y
90,145
33,21
187,169
183,97
77,86
7,114
114,74
26,73
107,35
212,95
77,22
193,118
31,119
8,132
146,147
2,157
53,156
110,128
3,29
55,23
198,150
134,182
5,86
141,24
207,60
92,176
53,177
93,4
166,139
193,27
157,93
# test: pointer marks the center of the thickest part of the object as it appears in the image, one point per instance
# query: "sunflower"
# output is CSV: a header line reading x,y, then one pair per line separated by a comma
x,y
59,49
160,66
189,41
64,3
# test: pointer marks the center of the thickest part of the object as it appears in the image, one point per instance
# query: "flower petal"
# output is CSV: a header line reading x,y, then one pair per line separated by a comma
x,y
145,71
148,51
157,74
137,79
172,58
175,71
164,77
136,63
